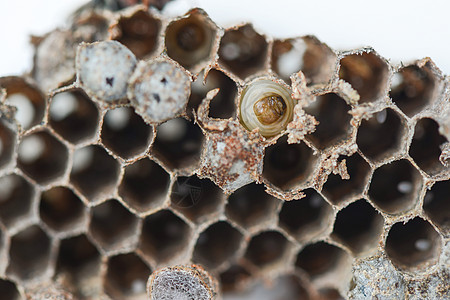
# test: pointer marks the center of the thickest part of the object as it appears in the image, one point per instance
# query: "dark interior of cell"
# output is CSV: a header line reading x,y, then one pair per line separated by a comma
x,y
222,106
337,189
94,171
42,157
305,217
73,115
413,244
216,244
393,186
139,32
233,278
15,199
29,253
7,143
366,72
358,226
144,184
286,165
330,294
125,133
250,205
189,40
8,290
243,51
196,198
61,209
380,136
266,248
178,143
412,88
164,235
319,258
126,276
91,27
334,120
425,146
112,225
437,204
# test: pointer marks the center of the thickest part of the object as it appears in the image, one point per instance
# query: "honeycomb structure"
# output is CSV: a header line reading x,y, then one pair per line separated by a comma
x,y
95,195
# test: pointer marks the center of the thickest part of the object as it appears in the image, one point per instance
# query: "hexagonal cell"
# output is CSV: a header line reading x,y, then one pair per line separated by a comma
x,y
42,157
414,245
334,120
233,278
8,139
178,143
380,136
223,105
212,249
164,235
425,146
287,165
94,171
61,209
29,253
251,205
243,51
394,187
144,185
73,115
358,226
337,189
307,217
16,197
125,133
367,73
8,290
189,40
412,88
28,99
139,32
267,248
126,276
112,226
437,204
196,198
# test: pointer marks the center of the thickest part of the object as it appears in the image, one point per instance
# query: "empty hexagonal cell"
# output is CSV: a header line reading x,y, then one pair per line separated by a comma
x,y
437,204
61,209
425,146
144,185
29,253
42,157
164,235
113,226
125,133
73,115
243,51
196,198
139,32
334,120
8,138
413,245
94,171
367,73
16,197
412,88
358,226
233,278
8,290
218,243
267,248
126,276
287,165
28,99
394,187
307,217
189,40
380,136
251,205
178,143
337,189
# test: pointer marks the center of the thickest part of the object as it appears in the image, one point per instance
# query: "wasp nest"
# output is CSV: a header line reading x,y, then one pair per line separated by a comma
x,y
140,142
